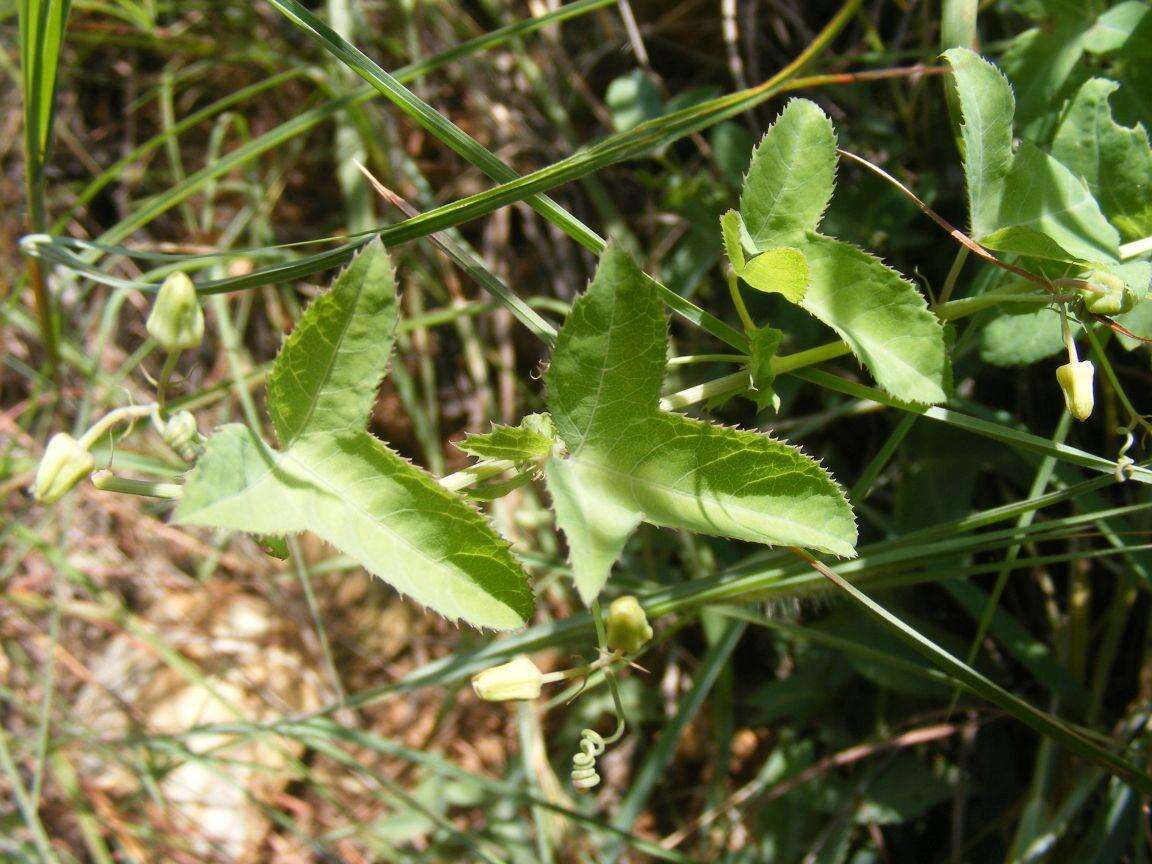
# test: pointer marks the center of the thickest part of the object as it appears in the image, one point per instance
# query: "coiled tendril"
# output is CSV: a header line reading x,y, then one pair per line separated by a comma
x,y
584,776
592,743
1125,464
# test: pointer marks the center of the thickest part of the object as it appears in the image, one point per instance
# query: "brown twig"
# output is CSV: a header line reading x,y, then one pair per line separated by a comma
x,y
962,238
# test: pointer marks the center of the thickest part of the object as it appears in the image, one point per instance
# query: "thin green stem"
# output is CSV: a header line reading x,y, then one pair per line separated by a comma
x,y
126,414
738,301
687,359
485,469
609,674
109,482
165,376
1134,417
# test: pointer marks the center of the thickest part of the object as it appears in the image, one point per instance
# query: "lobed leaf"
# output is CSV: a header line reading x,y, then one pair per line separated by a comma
x,y
731,227
1048,212
333,478
609,359
327,372
628,461
782,270
1020,339
883,317
352,491
596,520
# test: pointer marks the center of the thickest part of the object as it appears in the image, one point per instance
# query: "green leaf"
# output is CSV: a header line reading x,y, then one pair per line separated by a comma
x,y
628,461
763,343
1022,339
596,521
881,316
790,179
782,270
1027,203
532,439
326,375
1044,198
1125,25
333,478
1115,161
352,491
1138,276
42,24
609,360
633,99
1040,62
987,106
730,229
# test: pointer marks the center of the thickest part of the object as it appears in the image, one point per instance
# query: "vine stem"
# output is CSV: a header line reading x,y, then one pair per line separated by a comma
x,y
1066,334
946,311
165,376
1134,417
1136,247
738,301
610,674
109,482
125,414
482,470
958,235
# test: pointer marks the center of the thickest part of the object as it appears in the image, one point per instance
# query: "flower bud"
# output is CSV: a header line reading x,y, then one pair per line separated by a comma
x,y
517,679
176,321
627,625
1076,382
182,435
1112,297
64,464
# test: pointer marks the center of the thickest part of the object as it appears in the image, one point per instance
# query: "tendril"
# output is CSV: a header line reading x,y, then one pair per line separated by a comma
x,y
1125,464
584,775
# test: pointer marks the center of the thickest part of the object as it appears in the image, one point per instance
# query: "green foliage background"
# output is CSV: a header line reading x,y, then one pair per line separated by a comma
x,y
973,684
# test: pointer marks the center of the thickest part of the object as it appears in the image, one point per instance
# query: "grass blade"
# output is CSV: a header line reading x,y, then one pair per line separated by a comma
x,y
979,685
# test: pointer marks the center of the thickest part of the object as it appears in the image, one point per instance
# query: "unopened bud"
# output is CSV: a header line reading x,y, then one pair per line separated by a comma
x,y
1076,381
1111,295
181,434
64,464
517,679
627,625
176,321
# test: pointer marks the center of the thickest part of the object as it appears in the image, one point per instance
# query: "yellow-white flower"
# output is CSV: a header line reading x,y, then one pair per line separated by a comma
x,y
64,464
1076,382
517,679
176,321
